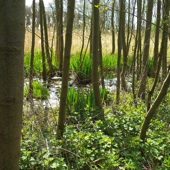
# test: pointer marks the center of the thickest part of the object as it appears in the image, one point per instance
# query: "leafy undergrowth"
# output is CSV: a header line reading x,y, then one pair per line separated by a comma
x,y
92,145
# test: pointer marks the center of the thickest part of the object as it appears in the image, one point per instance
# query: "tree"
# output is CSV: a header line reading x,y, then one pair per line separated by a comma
x,y
95,57
124,45
113,28
59,35
83,31
142,87
47,47
12,32
154,107
64,88
138,40
137,50
119,56
164,43
42,43
157,32
30,93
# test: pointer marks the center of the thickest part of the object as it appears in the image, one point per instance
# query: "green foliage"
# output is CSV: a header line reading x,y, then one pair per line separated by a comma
x,y
39,90
109,144
110,62
37,63
80,102
150,64
39,147
83,69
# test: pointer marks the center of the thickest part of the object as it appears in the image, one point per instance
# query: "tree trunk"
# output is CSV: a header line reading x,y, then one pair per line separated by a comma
x,y
164,43
151,92
137,51
101,61
59,35
46,41
124,45
12,32
30,93
113,28
156,45
142,86
83,34
154,107
119,57
42,42
95,58
139,39
64,88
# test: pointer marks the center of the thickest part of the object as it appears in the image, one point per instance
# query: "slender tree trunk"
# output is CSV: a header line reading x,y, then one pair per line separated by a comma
x,y
12,31
101,61
90,38
119,56
139,39
156,45
137,51
59,35
49,61
113,28
154,107
64,89
83,34
95,58
30,93
151,92
142,86
42,42
164,43
130,26
124,45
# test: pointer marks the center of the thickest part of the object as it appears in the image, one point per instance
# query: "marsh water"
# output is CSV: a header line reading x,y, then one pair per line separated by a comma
x,y
55,87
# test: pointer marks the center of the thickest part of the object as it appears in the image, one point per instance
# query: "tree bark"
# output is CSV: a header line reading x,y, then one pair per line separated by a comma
x,y
30,93
42,43
136,69
64,88
139,39
154,107
164,43
12,32
142,87
101,61
124,45
59,35
151,92
95,58
113,28
156,45
83,31
119,57
46,41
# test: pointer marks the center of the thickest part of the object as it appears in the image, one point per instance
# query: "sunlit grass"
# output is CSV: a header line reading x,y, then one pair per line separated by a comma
x,y
39,90
37,63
